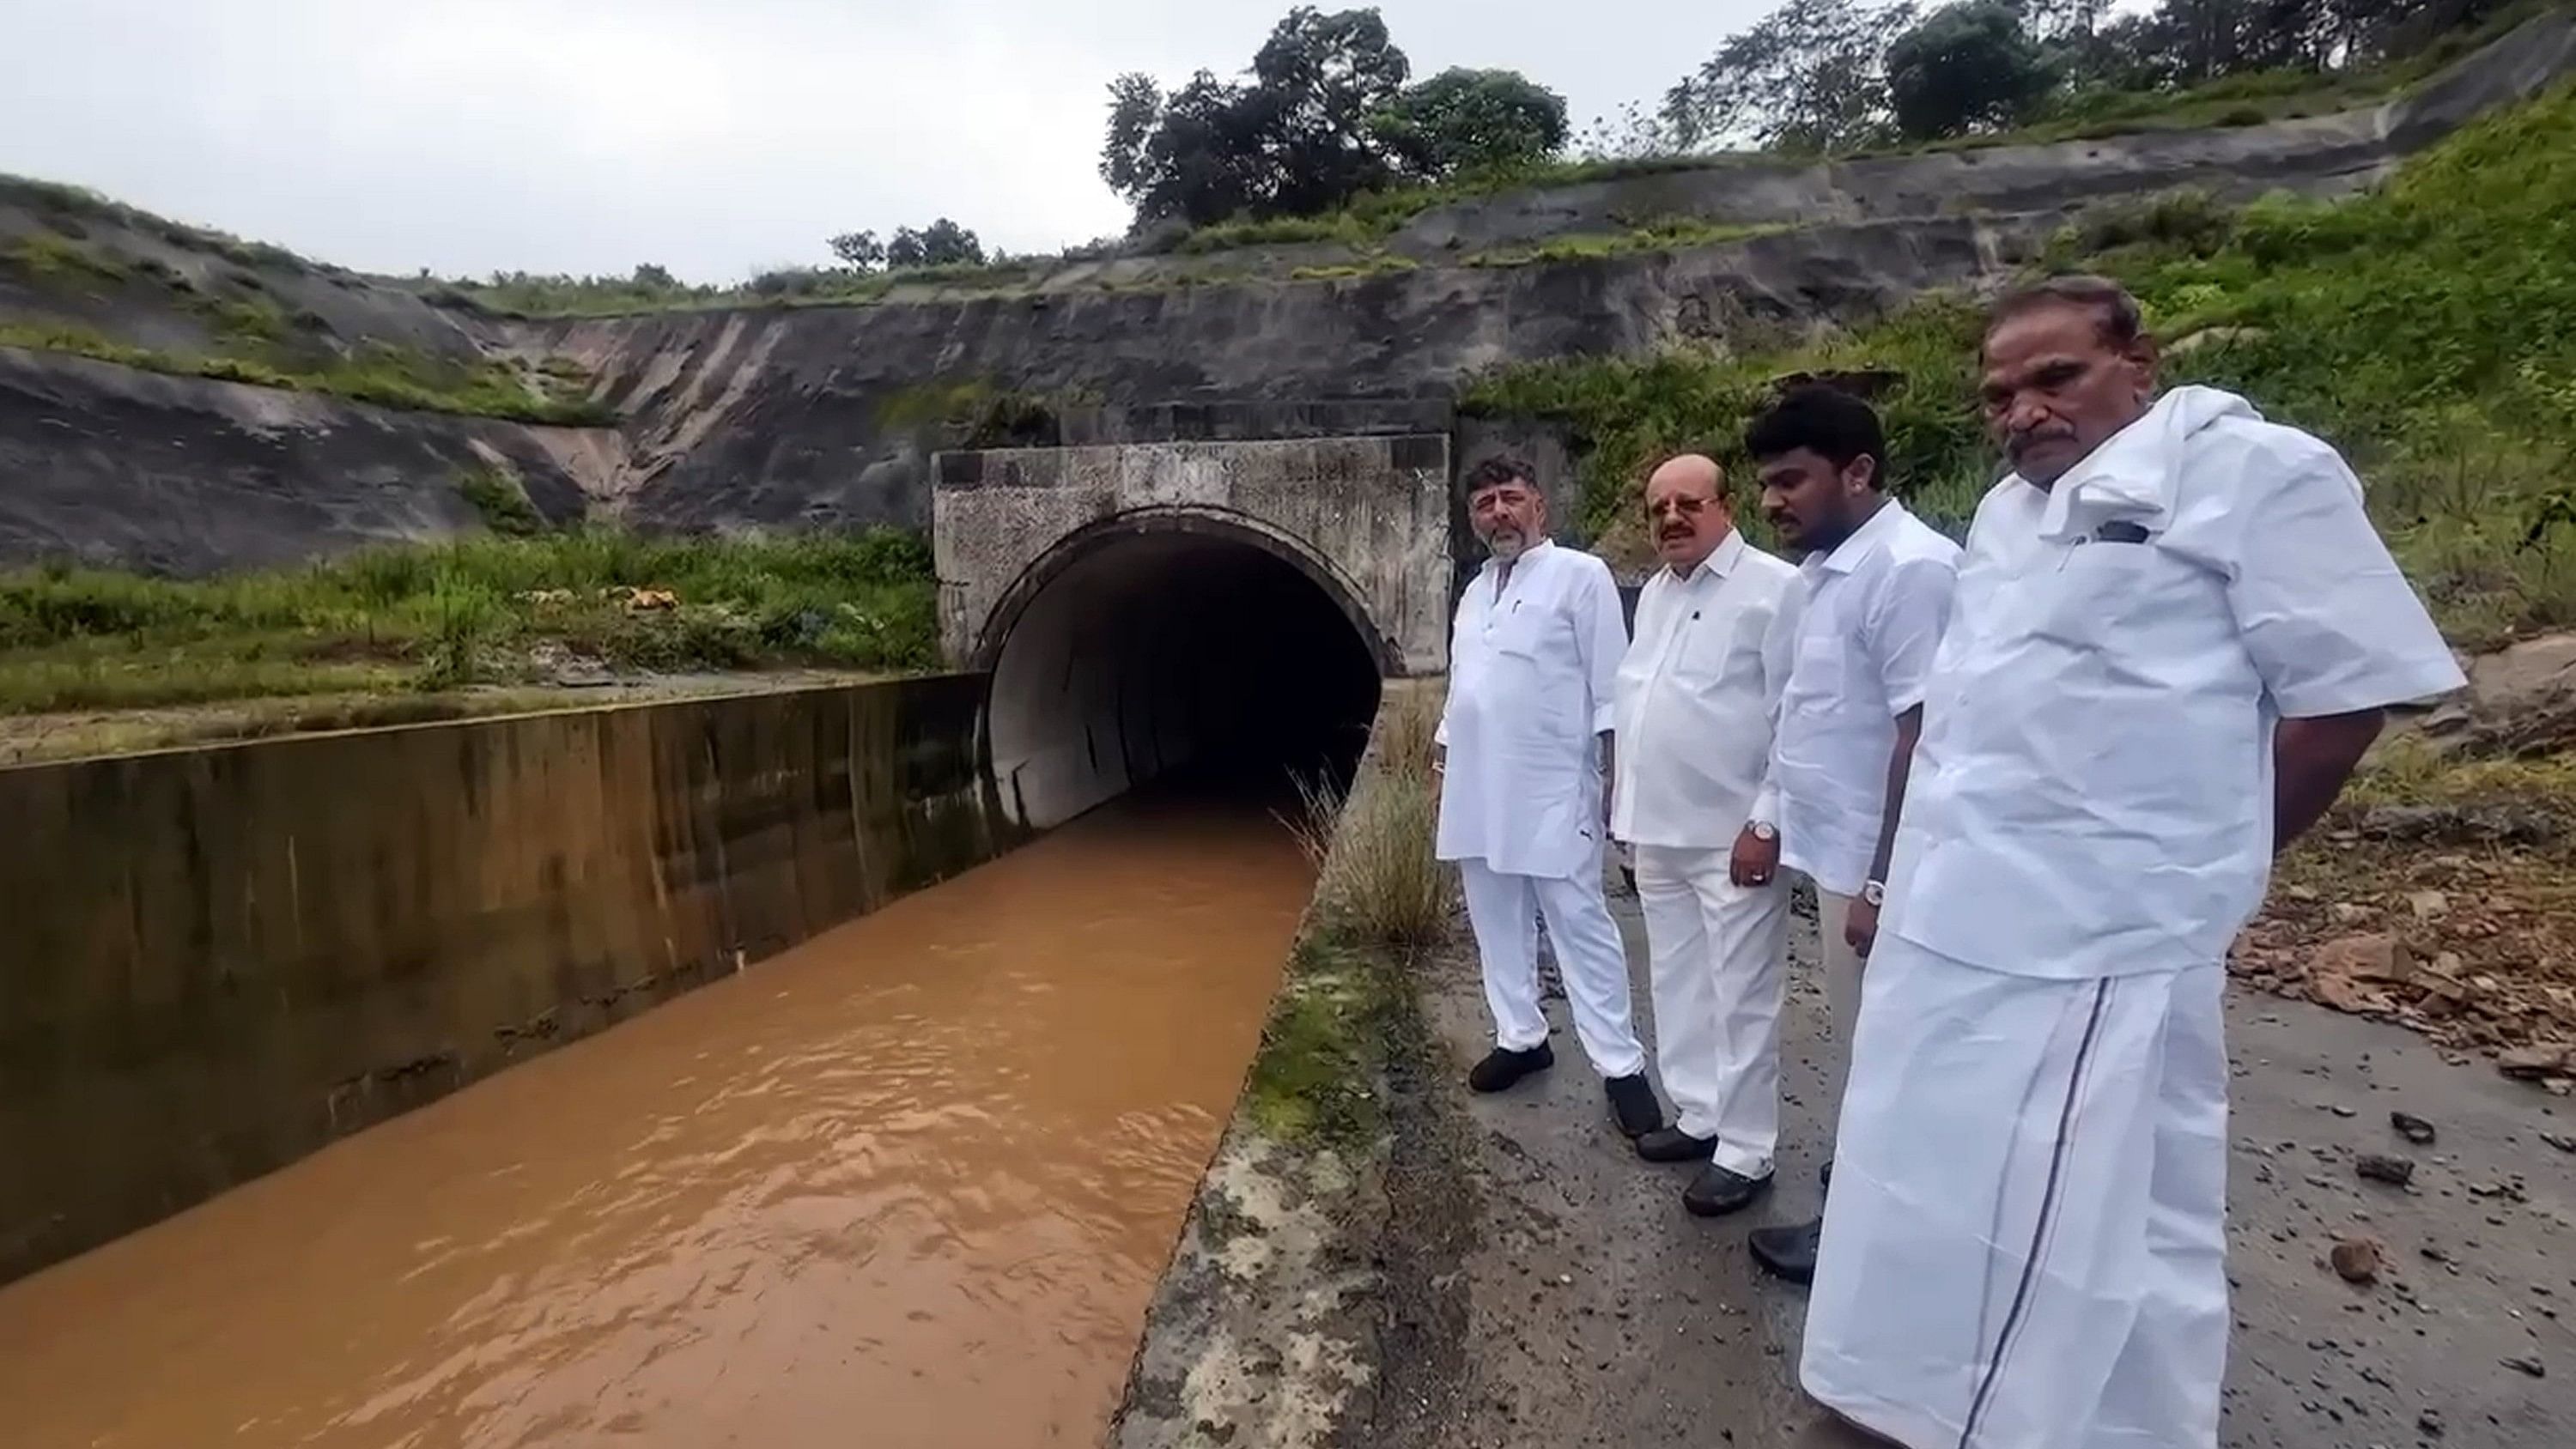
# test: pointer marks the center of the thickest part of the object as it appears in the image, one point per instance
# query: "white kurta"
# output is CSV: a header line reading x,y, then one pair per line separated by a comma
x,y
1699,693
2023,1247
1531,664
1532,670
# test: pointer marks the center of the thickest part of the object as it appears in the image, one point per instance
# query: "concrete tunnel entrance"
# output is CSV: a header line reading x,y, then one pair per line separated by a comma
x,y
1176,649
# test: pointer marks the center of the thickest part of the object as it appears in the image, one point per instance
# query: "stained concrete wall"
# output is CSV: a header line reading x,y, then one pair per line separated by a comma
x,y
1367,516
218,960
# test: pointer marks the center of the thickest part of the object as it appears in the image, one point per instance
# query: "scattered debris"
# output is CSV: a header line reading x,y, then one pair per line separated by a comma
x,y
2414,1129
2381,1167
2356,1259
2531,1366
2561,1142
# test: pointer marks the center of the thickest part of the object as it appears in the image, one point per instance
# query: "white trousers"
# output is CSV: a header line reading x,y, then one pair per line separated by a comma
x,y
1504,910
1842,968
2025,1245
1719,976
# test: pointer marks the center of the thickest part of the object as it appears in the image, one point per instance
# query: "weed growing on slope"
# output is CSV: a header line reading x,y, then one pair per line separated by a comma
x,y
484,608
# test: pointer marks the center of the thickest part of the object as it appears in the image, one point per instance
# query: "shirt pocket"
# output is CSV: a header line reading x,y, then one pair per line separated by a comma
x,y
1710,645
2095,586
1519,628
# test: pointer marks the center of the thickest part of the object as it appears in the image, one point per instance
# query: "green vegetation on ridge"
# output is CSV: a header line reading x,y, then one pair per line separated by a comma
x,y
2427,327
483,609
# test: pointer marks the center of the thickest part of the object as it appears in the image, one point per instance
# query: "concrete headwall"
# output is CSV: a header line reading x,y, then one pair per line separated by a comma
x,y
217,960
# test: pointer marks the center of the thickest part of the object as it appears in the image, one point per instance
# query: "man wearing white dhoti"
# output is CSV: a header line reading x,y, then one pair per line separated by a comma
x,y
1699,691
2175,635
1526,742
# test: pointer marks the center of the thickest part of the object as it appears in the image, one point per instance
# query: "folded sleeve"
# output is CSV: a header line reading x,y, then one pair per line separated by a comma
x,y
1904,624
2331,624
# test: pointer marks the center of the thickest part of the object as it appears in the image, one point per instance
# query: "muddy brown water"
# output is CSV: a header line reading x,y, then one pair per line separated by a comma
x,y
908,1184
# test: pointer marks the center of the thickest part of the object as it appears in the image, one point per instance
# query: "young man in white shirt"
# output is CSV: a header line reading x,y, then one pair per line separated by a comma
x,y
1698,691
1878,593
2176,633
1526,743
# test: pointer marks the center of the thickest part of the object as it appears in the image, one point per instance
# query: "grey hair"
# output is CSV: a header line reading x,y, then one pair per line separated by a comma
x,y
2123,324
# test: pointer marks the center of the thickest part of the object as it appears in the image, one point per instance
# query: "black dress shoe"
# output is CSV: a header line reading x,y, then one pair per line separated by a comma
x,y
1788,1252
1503,1067
1717,1192
1633,1102
1672,1144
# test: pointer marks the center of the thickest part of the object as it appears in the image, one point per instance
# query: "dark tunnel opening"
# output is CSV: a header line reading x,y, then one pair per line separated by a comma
x,y
1194,659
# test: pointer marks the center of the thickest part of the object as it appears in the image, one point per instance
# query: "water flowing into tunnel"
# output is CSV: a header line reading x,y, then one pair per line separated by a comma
x,y
1174,648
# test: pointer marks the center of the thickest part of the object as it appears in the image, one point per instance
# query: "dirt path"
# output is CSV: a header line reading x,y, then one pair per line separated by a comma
x,y
1597,1312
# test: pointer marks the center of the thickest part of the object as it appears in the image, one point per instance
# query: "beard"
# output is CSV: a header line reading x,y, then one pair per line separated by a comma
x,y
1507,544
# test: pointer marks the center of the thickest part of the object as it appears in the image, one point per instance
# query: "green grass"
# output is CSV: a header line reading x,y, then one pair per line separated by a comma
x,y
502,500
1667,235
386,376
477,609
1345,1010
2428,328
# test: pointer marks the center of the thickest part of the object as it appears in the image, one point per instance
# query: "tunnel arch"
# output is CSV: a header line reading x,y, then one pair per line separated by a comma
x,y
1172,641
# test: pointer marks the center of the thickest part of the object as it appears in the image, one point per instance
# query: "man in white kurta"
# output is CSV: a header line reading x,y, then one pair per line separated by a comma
x,y
1526,738
1698,693
2174,636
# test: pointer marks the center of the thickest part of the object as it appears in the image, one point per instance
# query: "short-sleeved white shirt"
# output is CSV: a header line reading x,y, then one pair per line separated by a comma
x,y
1875,609
2092,795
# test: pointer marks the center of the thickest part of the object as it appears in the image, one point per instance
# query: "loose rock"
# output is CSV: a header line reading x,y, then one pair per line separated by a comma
x,y
2414,1129
2381,1167
2531,1366
2356,1259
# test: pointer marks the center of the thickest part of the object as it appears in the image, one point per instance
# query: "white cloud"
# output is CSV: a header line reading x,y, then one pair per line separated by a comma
x,y
589,135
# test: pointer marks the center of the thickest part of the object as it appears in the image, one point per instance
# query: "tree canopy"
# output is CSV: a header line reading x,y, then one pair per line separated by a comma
x,y
1323,114
1967,67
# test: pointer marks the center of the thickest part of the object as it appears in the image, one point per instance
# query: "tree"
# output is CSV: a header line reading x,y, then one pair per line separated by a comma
x,y
946,244
1295,137
655,278
1470,120
860,251
1966,67
1809,77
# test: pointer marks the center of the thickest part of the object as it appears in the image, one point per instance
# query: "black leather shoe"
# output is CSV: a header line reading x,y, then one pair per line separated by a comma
x,y
1672,1144
1717,1192
1633,1102
1788,1252
1502,1067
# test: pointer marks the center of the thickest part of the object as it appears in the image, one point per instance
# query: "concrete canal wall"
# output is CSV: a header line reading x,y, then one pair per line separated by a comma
x,y
217,960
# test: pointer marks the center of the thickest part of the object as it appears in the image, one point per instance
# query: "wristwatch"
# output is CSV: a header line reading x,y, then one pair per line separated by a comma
x,y
1765,830
1874,892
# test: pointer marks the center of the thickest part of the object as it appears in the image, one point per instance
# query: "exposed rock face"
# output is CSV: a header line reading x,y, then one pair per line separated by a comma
x,y
109,464
803,417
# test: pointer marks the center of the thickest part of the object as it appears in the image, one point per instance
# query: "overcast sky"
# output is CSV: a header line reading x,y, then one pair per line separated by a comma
x,y
713,138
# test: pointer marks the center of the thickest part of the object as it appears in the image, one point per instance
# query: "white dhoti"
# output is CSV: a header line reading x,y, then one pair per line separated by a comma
x,y
2025,1243
1717,950
1505,910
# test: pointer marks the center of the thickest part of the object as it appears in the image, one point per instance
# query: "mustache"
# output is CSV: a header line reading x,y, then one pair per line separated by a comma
x,y
2020,443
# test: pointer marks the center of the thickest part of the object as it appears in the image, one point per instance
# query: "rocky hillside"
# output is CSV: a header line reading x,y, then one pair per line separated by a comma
x,y
185,402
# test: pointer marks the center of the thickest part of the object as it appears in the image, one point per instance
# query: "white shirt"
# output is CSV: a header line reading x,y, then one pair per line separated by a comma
x,y
1531,668
2093,791
1699,692
1875,609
